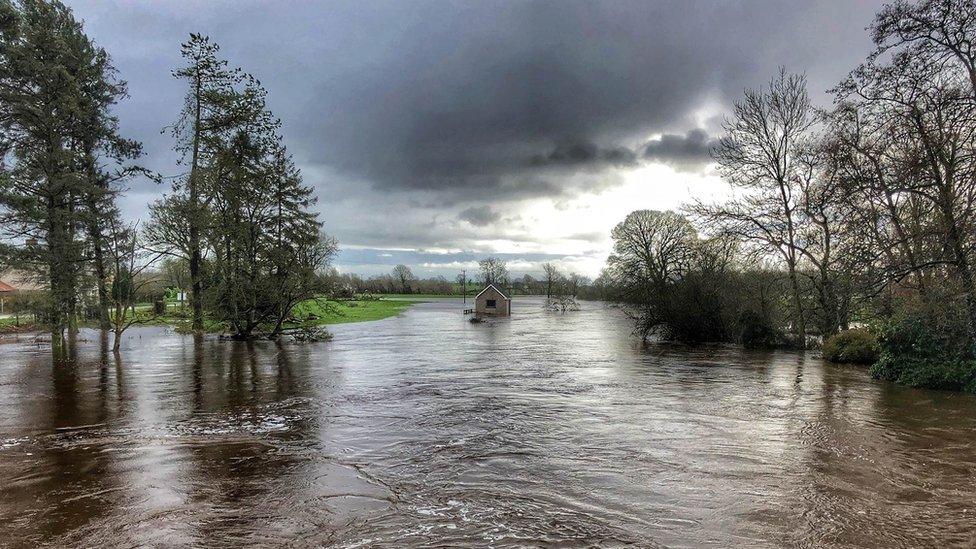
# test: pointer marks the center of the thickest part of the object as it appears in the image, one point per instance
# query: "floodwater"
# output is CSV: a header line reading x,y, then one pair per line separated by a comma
x,y
423,430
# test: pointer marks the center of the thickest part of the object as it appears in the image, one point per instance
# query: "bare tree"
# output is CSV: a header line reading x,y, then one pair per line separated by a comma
x,y
176,273
552,277
924,92
651,249
128,260
493,271
933,31
404,276
889,223
574,282
759,156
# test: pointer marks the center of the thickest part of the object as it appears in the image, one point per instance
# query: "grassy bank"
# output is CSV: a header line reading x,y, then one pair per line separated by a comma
x,y
10,325
309,313
315,312
341,312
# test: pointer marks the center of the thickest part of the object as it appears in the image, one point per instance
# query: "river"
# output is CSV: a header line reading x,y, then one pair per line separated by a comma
x,y
545,429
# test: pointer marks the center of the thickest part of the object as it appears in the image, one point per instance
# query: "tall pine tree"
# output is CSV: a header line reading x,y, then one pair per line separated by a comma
x,y
56,91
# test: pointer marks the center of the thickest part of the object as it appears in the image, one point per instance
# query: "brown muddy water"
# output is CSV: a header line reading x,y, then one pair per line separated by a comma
x,y
425,430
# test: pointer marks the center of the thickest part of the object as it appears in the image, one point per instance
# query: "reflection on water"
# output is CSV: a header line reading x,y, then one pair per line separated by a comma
x,y
543,429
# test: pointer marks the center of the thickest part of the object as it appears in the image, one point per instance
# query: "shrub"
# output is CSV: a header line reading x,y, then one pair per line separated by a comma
x,y
926,350
857,346
757,331
951,374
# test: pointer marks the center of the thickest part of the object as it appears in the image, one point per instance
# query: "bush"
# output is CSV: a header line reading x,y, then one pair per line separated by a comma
x,y
757,331
926,350
857,346
949,374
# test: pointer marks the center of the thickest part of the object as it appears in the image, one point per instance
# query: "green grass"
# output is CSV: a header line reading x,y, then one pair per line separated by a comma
x,y
10,325
325,312
341,312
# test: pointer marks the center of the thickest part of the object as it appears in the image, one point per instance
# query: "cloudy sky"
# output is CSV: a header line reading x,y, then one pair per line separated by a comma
x,y
436,133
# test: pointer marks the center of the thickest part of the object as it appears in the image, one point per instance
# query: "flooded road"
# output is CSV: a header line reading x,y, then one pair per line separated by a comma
x,y
545,429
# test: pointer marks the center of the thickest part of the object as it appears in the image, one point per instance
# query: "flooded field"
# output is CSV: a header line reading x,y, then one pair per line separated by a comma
x,y
545,429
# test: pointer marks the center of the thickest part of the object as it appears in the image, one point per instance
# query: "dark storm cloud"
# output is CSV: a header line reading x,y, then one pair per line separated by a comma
x,y
576,153
684,152
480,85
458,102
480,216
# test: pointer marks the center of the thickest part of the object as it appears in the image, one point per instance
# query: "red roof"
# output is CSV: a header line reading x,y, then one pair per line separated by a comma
x,y
4,287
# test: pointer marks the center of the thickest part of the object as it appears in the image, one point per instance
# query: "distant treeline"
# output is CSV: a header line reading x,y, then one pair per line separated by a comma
x,y
401,280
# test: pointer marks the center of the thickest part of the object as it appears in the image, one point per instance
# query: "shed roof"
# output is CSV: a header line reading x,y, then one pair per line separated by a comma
x,y
4,287
497,289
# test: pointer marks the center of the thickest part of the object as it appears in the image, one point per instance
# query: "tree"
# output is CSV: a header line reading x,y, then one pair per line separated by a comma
x,y
127,260
404,275
924,90
212,107
242,217
56,91
303,280
175,273
103,157
576,281
267,250
301,252
935,32
828,252
552,276
462,280
168,232
760,156
651,250
493,271
889,224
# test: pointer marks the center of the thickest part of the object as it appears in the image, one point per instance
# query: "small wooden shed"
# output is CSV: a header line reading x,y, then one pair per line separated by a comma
x,y
492,301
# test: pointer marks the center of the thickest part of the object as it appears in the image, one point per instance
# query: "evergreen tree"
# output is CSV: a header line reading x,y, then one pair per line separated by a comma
x,y
208,114
242,217
56,89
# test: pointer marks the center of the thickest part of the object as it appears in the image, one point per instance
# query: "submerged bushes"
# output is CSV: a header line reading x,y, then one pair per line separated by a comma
x,y
758,332
856,346
926,350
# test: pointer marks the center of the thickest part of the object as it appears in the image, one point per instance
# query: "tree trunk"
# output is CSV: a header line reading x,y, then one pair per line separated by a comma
x,y
98,252
801,324
195,254
962,262
56,265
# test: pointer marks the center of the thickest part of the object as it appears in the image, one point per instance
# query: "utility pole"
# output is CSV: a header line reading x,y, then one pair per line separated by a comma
x,y
464,287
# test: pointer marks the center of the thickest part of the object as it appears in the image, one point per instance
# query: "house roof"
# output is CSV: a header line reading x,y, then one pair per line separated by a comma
x,y
4,287
497,289
19,281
